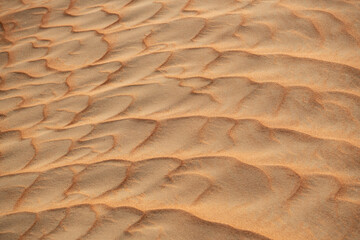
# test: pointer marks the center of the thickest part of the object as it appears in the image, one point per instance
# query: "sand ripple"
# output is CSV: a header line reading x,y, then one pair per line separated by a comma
x,y
180,119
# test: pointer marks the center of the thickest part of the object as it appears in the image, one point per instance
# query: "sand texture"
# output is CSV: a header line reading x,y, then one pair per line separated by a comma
x,y
180,119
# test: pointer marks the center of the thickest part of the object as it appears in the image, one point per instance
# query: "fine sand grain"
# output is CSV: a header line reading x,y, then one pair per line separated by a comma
x,y
180,119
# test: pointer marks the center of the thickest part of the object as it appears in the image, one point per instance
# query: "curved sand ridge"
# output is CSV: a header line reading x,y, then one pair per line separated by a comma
x,y
180,119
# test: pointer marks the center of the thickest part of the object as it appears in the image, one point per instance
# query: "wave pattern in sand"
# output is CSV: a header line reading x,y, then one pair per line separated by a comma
x,y
180,119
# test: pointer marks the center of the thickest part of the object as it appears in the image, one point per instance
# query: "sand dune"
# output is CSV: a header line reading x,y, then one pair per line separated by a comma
x,y
180,119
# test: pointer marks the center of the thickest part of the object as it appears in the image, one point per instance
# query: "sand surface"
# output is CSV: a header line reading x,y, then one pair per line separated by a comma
x,y
180,119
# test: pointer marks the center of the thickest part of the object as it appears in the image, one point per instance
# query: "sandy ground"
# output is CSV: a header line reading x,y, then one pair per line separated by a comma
x,y
180,119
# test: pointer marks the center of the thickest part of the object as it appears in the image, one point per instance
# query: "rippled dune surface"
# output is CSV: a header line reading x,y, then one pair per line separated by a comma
x,y
180,119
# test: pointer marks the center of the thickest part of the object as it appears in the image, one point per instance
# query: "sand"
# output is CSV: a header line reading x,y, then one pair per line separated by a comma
x,y
180,119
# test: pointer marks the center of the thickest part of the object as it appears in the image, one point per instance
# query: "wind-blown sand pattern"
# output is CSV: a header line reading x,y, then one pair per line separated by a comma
x,y
180,119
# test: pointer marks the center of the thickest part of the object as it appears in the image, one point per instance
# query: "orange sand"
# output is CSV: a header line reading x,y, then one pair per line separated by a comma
x,y
180,119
